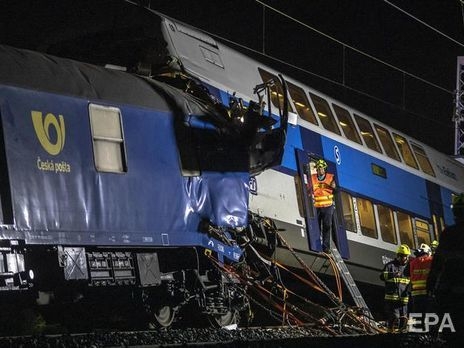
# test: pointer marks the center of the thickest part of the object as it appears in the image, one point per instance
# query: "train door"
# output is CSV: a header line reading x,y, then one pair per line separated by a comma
x,y
305,163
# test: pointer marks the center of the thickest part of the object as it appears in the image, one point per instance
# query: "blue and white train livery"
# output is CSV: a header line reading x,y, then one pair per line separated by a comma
x,y
144,169
392,189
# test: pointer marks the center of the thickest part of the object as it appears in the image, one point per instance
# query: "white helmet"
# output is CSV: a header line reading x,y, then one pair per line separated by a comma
x,y
424,249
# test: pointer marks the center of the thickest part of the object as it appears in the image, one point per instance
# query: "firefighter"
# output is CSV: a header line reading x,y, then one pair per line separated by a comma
x,y
418,271
434,246
323,189
446,279
396,289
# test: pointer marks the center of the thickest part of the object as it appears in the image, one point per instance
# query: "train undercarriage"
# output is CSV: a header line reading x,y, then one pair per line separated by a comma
x,y
163,286
83,288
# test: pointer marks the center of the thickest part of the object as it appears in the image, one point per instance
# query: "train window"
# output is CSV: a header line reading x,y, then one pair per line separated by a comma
x,y
108,141
386,224
405,229
366,217
347,124
277,94
303,108
325,114
387,142
6,207
423,160
405,150
423,232
348,212
367,133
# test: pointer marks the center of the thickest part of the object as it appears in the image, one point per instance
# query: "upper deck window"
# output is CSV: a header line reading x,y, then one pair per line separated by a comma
x,y
405,150
387,142
277,94
325,114
423,160
108,141
303,108
367,133
347,124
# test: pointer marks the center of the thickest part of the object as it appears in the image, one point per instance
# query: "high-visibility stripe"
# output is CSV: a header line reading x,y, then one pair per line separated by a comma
x,y
323,201
419,284
390,297
398,280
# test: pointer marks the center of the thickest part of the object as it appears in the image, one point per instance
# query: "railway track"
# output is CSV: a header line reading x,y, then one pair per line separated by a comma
x,y
246,337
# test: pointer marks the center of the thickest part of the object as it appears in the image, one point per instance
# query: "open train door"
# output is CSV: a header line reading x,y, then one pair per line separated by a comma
x,y
305,163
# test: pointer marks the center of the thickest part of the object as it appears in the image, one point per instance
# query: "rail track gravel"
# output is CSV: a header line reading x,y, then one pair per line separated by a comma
x,y
249,337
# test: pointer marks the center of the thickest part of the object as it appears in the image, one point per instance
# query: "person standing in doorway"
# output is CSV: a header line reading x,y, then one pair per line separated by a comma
x,y
323,192
434,246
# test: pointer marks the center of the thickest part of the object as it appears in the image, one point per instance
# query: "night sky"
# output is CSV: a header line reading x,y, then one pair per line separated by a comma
x,y
422,109
373,27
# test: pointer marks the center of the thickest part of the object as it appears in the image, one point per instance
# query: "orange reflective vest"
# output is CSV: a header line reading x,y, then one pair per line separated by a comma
x,y
419,269
322,191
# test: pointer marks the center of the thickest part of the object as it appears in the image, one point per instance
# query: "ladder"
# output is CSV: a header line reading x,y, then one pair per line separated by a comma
x,y
350,283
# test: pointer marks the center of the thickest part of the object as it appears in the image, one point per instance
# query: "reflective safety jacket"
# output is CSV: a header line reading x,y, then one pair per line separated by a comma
x,y
396,282
323,192
419,269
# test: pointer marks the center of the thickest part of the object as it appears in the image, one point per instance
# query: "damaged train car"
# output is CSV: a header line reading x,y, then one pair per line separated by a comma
x,y
123,176
116,180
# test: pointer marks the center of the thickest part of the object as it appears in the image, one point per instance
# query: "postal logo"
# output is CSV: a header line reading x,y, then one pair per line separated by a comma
x,y
42,130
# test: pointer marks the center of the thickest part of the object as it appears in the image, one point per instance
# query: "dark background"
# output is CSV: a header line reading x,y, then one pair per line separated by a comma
x,y
414,92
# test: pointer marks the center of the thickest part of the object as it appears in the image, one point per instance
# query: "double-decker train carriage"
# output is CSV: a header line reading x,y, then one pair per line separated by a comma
x,y
392,189
116,180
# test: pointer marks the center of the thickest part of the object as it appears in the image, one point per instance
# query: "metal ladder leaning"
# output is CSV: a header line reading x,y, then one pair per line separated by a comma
x,y
350,283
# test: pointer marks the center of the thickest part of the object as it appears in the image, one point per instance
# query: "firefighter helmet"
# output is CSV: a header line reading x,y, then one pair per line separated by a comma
x,y
424,249
321,164
434,244
403,249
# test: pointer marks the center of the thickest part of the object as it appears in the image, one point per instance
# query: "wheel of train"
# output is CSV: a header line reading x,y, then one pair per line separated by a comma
x,y
164,316
222,320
